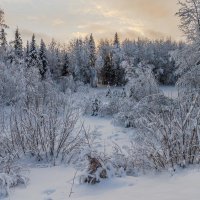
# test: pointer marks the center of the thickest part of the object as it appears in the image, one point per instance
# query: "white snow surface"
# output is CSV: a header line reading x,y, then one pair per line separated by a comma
x,y
107,133
170,91
55,184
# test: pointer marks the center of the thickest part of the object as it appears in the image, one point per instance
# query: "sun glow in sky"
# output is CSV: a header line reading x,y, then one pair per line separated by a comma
x,y
66,19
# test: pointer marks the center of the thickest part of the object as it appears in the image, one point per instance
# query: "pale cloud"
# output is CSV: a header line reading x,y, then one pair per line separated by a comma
x,y
27,34
65,19
33,18
16,1
58,22
79,34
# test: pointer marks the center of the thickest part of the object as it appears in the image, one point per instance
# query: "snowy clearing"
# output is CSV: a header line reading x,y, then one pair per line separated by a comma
x,y
55,184
108,133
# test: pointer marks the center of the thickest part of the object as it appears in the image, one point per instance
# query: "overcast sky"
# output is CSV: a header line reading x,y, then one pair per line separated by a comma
x,y
66,19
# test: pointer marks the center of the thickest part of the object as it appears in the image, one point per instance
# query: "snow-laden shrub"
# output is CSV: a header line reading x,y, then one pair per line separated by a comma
x,y
45,132
96,171
95,164
106,103
100,167
189,83
141,81
11,175
169,138
110,107
66,83
131,111
43,126
12,83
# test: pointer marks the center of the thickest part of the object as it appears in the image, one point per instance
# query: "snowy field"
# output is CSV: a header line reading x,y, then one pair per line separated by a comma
x,y
107,133
56,183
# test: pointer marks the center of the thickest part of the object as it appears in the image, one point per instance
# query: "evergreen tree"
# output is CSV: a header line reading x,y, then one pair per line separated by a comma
x,y
43,58
2,20
52,57
3,41
27,52
65,68
92,61
33,57
33,52
108,75
18,46
117,59
58,70
116,42
3,26
92,52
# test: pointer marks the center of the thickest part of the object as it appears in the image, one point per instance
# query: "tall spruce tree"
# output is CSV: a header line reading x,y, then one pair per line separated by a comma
x,y
3,41
107,71
33,58
92,61
2,20
43,58
116,42
27,52
3,26
117,59
92,52
33,52
65,68
58,62
18,45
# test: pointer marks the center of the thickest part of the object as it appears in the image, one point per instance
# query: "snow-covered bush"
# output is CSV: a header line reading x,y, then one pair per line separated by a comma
x,y
189,82
11,175
46,132
96,171
111,106
141,81
12,83
67,83
100,167
131,111
95,164
104,103
169,138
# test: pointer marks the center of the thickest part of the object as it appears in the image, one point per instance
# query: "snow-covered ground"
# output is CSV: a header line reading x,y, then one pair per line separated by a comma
x,y
169,91
55,184
107,133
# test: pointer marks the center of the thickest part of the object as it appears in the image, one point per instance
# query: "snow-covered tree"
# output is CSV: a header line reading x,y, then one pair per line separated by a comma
x,y
3,26
117,59
108,73
33,57
141,81
2,19
92,61
66,67
188,58
92,51
43,58
3,41
18,45
106,66
189,14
